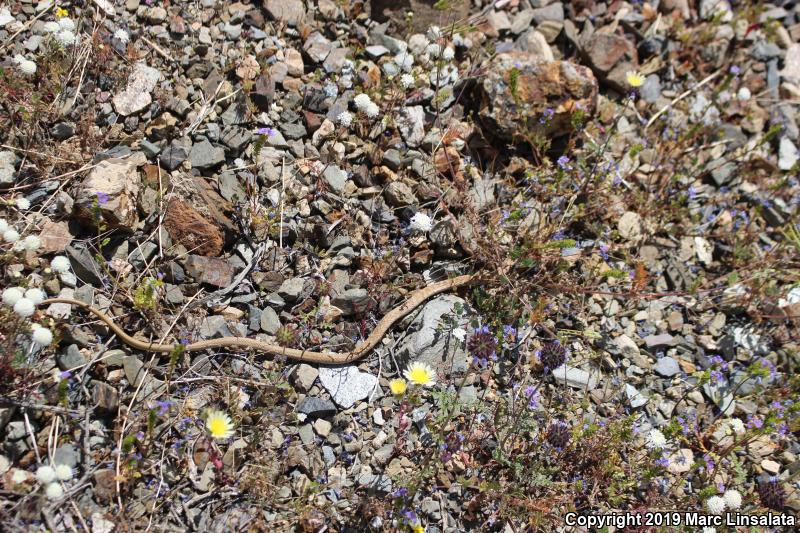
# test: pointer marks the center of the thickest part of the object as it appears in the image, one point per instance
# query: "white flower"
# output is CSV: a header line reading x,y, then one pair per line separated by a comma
x,y
22,203
3,225
737,425
448,54
460,334
26,66
434,33
407,80
12,295
733,498
362,101
45,474
24,307
715,505
64,472
19,476
35,295
11,235
60,264
404,60
743,95
32,243
66,37
434,49
51,27
420,222
656,440
66,23
122,36
42,337
372,110
345,118
53,491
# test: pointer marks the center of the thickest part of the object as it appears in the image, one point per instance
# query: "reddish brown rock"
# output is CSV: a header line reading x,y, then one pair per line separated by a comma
x,y
610,56
194,231
55,237
524,96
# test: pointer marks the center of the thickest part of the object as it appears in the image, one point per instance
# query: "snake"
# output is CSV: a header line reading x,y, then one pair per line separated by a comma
x,y
415,299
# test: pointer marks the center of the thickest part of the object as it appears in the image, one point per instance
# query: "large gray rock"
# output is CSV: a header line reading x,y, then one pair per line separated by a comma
x,y
136,95
429,343
347,385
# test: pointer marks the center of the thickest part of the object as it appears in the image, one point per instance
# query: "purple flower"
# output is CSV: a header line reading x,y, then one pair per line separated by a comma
x,y
163,407
65,374
663,462
266,131
563,162
102,198
735,70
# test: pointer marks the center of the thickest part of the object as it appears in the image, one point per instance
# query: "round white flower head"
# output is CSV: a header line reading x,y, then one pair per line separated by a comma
x,y
372,110
122,36
19,476
715,505
32,243
420,222
345,118
43,337
64,472
656,440
737,425
434,49
45,474
434,33
66,23
12,295
26,66
3,225
406,80
66,37
53,491
11,236
361,101
448,54
24,307
52,26
744,94
733,498
60,263
404,60
460,334
35,295
22,203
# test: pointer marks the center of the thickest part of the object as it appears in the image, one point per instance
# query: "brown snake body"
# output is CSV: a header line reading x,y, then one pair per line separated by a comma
x,y
416,298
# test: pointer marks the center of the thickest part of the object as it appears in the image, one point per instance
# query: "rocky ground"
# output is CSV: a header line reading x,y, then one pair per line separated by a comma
x,y
620,177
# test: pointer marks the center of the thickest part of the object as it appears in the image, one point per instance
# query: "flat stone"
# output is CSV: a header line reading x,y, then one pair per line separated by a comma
x,y
269,321
662,341
304,377
335,178
292,12
314,407
136,95
667,367
204,155
635,397
575,377
347,385
111,189
212,270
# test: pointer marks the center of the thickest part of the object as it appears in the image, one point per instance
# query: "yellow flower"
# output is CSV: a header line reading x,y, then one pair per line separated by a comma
x,y
417,528
398,386
634,78
61,13
219,424
420,374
